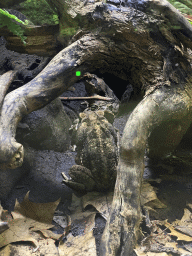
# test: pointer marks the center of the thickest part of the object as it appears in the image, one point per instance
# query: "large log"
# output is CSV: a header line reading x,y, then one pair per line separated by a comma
x,y
173,107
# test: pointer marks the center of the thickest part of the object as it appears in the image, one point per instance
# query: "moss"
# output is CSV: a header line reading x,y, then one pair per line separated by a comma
x,y
39,12
68,31
9,20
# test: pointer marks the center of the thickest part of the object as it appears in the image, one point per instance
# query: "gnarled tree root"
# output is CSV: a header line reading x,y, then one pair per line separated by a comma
x,y
50,83
164,105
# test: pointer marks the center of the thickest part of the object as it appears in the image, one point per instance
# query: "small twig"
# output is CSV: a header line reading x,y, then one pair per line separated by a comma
x,y
96,97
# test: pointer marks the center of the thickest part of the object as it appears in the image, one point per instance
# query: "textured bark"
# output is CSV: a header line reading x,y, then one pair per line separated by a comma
x,y
55,78
5,81
143,42
164,105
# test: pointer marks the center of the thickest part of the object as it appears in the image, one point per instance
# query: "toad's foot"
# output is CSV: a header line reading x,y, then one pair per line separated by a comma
x,y
72,184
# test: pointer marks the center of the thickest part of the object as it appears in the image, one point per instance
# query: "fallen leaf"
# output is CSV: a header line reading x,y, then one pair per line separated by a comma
x,y
185,224
1,210
42,212
159,241
101,202
5,251
77,210
188,247
79,245
4,214
187,216
179,235
61,220
149,197
139,252
81,221
25,222
49,234
18,231
45,247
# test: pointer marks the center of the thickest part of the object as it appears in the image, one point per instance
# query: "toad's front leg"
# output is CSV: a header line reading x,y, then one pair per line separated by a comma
x,y
80,179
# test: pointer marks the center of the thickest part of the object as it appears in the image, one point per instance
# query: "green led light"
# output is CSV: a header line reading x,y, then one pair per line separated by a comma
x,y
78,73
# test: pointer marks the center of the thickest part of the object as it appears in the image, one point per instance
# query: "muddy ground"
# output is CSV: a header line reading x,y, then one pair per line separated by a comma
x,y
172,181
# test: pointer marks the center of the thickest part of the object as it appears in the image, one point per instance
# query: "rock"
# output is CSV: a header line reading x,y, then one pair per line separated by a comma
x,y
47,128
44,129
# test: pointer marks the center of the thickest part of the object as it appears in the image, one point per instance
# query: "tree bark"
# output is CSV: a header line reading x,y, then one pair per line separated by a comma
x,y
164,105
55,78
5,81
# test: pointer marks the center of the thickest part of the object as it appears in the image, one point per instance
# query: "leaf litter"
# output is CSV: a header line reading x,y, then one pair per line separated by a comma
x,y
168,238
30,222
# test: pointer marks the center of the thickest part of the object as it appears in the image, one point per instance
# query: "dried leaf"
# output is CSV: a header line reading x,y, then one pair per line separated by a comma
x,y
179,235
185,224
160,248
188,247
77,210
1,210
42,212
5,251
18,231
177,249
187,216
149,197
50,234
83,221
61,220
45,247
79,246
101,202
22,228
4,216
139,252
160,241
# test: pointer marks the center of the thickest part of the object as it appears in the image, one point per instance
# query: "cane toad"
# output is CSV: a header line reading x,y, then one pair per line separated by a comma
x,y
97,154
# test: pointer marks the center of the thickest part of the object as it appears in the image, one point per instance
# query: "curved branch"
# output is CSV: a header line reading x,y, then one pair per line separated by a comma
x,y
53,80
5,81
122,228
174,16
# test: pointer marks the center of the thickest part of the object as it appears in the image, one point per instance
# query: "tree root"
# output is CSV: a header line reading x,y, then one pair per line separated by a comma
x,y
122,228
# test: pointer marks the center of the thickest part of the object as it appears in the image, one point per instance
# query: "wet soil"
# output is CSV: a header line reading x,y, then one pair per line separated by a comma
x,y
44,181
